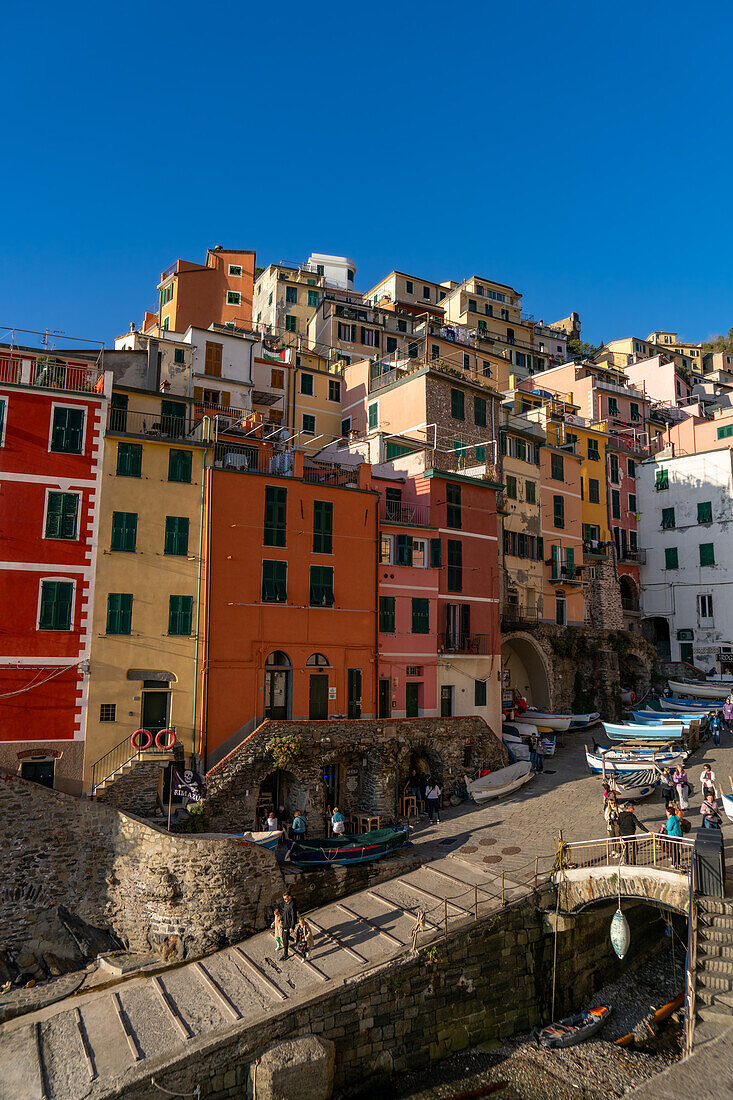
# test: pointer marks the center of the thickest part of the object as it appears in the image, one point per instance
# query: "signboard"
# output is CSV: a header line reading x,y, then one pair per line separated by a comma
x,y
40,754
332,693
352,780
187,784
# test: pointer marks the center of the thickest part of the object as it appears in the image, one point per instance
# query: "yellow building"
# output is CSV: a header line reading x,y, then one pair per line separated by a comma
x,y
146,603
521,546
284,299
621,353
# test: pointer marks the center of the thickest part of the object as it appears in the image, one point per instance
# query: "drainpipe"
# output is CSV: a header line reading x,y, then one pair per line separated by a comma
x,y
198,596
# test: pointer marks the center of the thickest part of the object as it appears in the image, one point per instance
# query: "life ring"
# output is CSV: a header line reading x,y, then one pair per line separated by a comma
x,y
135,740
165,739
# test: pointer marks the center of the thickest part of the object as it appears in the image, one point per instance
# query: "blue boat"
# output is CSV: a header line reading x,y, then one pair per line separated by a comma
x,y
342,850
264,840
689,706
654,717
670,731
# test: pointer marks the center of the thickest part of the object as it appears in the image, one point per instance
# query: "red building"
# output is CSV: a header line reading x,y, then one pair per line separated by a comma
x,y
52,416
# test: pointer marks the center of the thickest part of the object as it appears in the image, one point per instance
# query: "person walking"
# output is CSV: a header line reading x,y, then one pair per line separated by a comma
x,y
338,822
303,938
728,712
627,823
673,828
432,797
666,786
715,723
277,926
535,752
682,786
413,784
289,920
610,813
711,818
707,780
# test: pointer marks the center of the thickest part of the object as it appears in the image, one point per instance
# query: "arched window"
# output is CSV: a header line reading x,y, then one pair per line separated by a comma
x,y
278,659
318,660
278,685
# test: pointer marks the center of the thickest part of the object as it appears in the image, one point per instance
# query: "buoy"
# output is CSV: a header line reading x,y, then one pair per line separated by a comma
x,y
620,933
165,739
141,740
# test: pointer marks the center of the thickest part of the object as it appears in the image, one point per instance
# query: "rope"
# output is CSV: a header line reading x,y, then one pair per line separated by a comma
x,y
418,926
196,1093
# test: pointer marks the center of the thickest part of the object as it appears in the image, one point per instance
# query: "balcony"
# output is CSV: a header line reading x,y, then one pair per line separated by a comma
x,y
630,605
476,644
405,513
594,549
49,372
514,612
567,575
155,425
627,554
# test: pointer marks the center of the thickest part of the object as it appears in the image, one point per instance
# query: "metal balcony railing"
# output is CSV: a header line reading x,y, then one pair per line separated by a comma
x,y
155,425
411,515
627,554
515,612
595,549
10,370
567,575
479,644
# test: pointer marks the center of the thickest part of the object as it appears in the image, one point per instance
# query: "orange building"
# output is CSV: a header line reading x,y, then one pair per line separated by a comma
x,y
220,290
291,627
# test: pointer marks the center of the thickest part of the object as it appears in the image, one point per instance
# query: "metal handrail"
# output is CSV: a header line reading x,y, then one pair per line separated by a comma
x,y
112,761
640,850
688,1035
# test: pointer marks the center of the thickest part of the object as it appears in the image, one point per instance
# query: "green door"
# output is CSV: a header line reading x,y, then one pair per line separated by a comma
x,y
412,700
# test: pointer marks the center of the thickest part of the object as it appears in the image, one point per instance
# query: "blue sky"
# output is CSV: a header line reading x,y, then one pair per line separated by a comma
x,y
580,152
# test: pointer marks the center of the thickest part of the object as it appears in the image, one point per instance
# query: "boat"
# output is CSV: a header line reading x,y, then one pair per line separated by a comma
x,y
727,801
265,840
519,730
342,850
631,763
660,1016
654,717
516,747
631,792
626,751
580,721
545,719
669,731
700,690
573,1029
501,782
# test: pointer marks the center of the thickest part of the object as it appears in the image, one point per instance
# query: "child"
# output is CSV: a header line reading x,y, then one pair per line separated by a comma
x,y
303,937
277,927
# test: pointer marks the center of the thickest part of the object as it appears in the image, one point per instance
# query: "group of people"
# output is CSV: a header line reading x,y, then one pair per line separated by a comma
x,y
425,789
289,925
280,819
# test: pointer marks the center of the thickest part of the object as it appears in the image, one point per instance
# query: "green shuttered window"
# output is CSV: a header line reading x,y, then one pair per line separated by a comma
x,y
56,599
124,531
180,614
323,527
67,433
176,535
386,614
321,586
179,465
275,515
420,616
62,515
274,581
119,612
129,459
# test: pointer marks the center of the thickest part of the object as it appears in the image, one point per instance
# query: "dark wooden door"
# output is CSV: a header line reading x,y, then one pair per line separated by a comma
x,y
446,701
412,700
384,707
354,698
155,710
318,697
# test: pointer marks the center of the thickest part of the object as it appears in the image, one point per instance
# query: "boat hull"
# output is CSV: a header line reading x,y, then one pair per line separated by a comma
x,y
546,720
701,690
671,731
687,706
646,766
343,851
262,840
654,717
580,721
728,806
498,783
573,1029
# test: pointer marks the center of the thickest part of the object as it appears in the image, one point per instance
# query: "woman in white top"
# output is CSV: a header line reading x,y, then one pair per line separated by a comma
x,y
707,780
432,797
272,825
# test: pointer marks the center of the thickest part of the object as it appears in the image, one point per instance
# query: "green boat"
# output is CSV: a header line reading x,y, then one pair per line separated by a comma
x,y
341,850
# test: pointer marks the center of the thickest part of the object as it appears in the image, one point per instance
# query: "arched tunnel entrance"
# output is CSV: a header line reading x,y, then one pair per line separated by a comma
x,y
525,668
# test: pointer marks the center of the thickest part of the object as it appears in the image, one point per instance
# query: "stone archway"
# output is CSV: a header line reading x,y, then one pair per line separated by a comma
x,y
527,665
656,631
282,788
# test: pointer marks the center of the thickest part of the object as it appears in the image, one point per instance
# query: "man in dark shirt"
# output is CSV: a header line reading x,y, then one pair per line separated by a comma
x,y
289,919
627,822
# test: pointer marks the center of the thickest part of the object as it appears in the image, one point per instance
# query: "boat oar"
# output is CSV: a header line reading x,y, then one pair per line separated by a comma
x,y
657,1018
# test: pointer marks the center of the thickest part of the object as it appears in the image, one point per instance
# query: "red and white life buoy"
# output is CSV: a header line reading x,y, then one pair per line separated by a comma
x,y
141,740
165,739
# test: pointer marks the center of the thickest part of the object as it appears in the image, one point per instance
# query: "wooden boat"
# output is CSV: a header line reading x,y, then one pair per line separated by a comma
x,y
545,719
341,850
661,754
687,706
518,748
631,792
580,721
628,764
265,840
660,1016
700,689
654,717
500,782
670,731
573,1029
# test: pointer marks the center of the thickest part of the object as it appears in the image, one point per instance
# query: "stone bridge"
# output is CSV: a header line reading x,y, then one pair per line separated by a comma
x,y
583,886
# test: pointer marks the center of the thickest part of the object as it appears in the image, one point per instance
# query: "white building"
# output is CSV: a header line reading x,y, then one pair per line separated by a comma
x,y
686,528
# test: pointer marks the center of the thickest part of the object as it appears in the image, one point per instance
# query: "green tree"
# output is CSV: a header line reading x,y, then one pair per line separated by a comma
x,y
719,343
579,349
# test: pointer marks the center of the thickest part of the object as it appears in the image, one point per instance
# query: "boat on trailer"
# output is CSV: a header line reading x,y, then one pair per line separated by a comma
x,y
573,1029
342,850
700,689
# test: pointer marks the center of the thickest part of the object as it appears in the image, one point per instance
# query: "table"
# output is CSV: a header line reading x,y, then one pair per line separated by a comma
x,y
365,823
409,806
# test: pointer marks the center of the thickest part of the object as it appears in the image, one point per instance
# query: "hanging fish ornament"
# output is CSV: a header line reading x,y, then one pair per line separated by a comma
x,y
620,933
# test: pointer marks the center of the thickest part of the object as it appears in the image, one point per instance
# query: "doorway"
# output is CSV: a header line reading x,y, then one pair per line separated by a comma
x,y
156,709
318,697
354,693
38,771
384,707
278,673
412,700
446,701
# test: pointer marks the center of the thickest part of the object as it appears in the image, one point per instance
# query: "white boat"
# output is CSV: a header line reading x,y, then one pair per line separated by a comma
x,y
727,806
674,706
545,720
518,749
639,731
579,721
500,782
264,839
632,793
520,730
663,758
654,717
700,689
647,767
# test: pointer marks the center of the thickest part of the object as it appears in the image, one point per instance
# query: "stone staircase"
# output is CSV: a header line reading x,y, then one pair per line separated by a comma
x,y
714,975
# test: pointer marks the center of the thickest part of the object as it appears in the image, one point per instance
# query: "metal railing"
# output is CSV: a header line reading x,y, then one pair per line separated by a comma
x,y
666,853
10,369
633,555
395,511
467,643
49,372
595,549
567,575
688,1033
155,425
122,754
519,613
343,476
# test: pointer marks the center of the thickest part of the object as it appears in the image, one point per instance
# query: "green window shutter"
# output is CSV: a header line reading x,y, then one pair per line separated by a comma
x,y
521,447
631,467
502,438
454,556
129,459
386,614
2,418
180,615
119,613
558,508
179,465
705,512
53,515
707,553
274,581
557,470
479,693
668,521
570,562
671,560
403,554
457,405
313,299
176,535
56,598
323,527
479,411
275,515
480,454
321,586
68,430
661,480
62,515
725,431
435,554
612,406
511,487
616,504
391,344
555,560
373,415
530,492
420,616
124,531
613,461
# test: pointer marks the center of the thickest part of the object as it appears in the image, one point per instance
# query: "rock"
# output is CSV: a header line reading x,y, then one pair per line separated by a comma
x,y
296,1067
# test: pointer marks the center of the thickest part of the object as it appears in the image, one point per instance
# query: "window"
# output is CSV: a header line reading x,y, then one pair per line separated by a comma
x,y
632,502
480,454
119,612
725,431
62,510
291,295
179,466
615,504
403,550
479,411
560,609
370,337
179,356
277,379
275,514
466,361
631,468
323,527
274,581
291,323
420,616
593,452
409,288
661,479
309,424
426,293
511,487
457,405
705,512
530,492
321,586
671,558
556,467
612,406
334,390
234,298
67,433
705,607
235,270
212,360
346,426
347,333
419,553
472,306
707,553
634,411
56,600
3,405
124,531
668,521
479,693
386,614
686,652
486,368
453,510
613,465
107,712
594,490
633,544
320,269
402,326
176,535
373,412
459,450
436,558
385,549
412,349
306,384
391,344
558,511
129,459
180,615
455,565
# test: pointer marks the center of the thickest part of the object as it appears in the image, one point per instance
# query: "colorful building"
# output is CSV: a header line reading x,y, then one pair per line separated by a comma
x,y
198,294
52,413
520,510
285,295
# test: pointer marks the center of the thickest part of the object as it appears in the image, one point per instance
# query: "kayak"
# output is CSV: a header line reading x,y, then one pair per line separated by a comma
x,y
660,1016
700,690
573,1029
500,782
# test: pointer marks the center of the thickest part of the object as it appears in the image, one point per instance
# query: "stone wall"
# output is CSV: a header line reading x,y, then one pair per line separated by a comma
x,y
122,874
602,595
486,980
376,753
136,791
68,756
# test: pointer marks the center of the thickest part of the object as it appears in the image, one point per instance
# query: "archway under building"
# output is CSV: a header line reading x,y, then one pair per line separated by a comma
x,y
656,631
281,788
525,668
629,593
